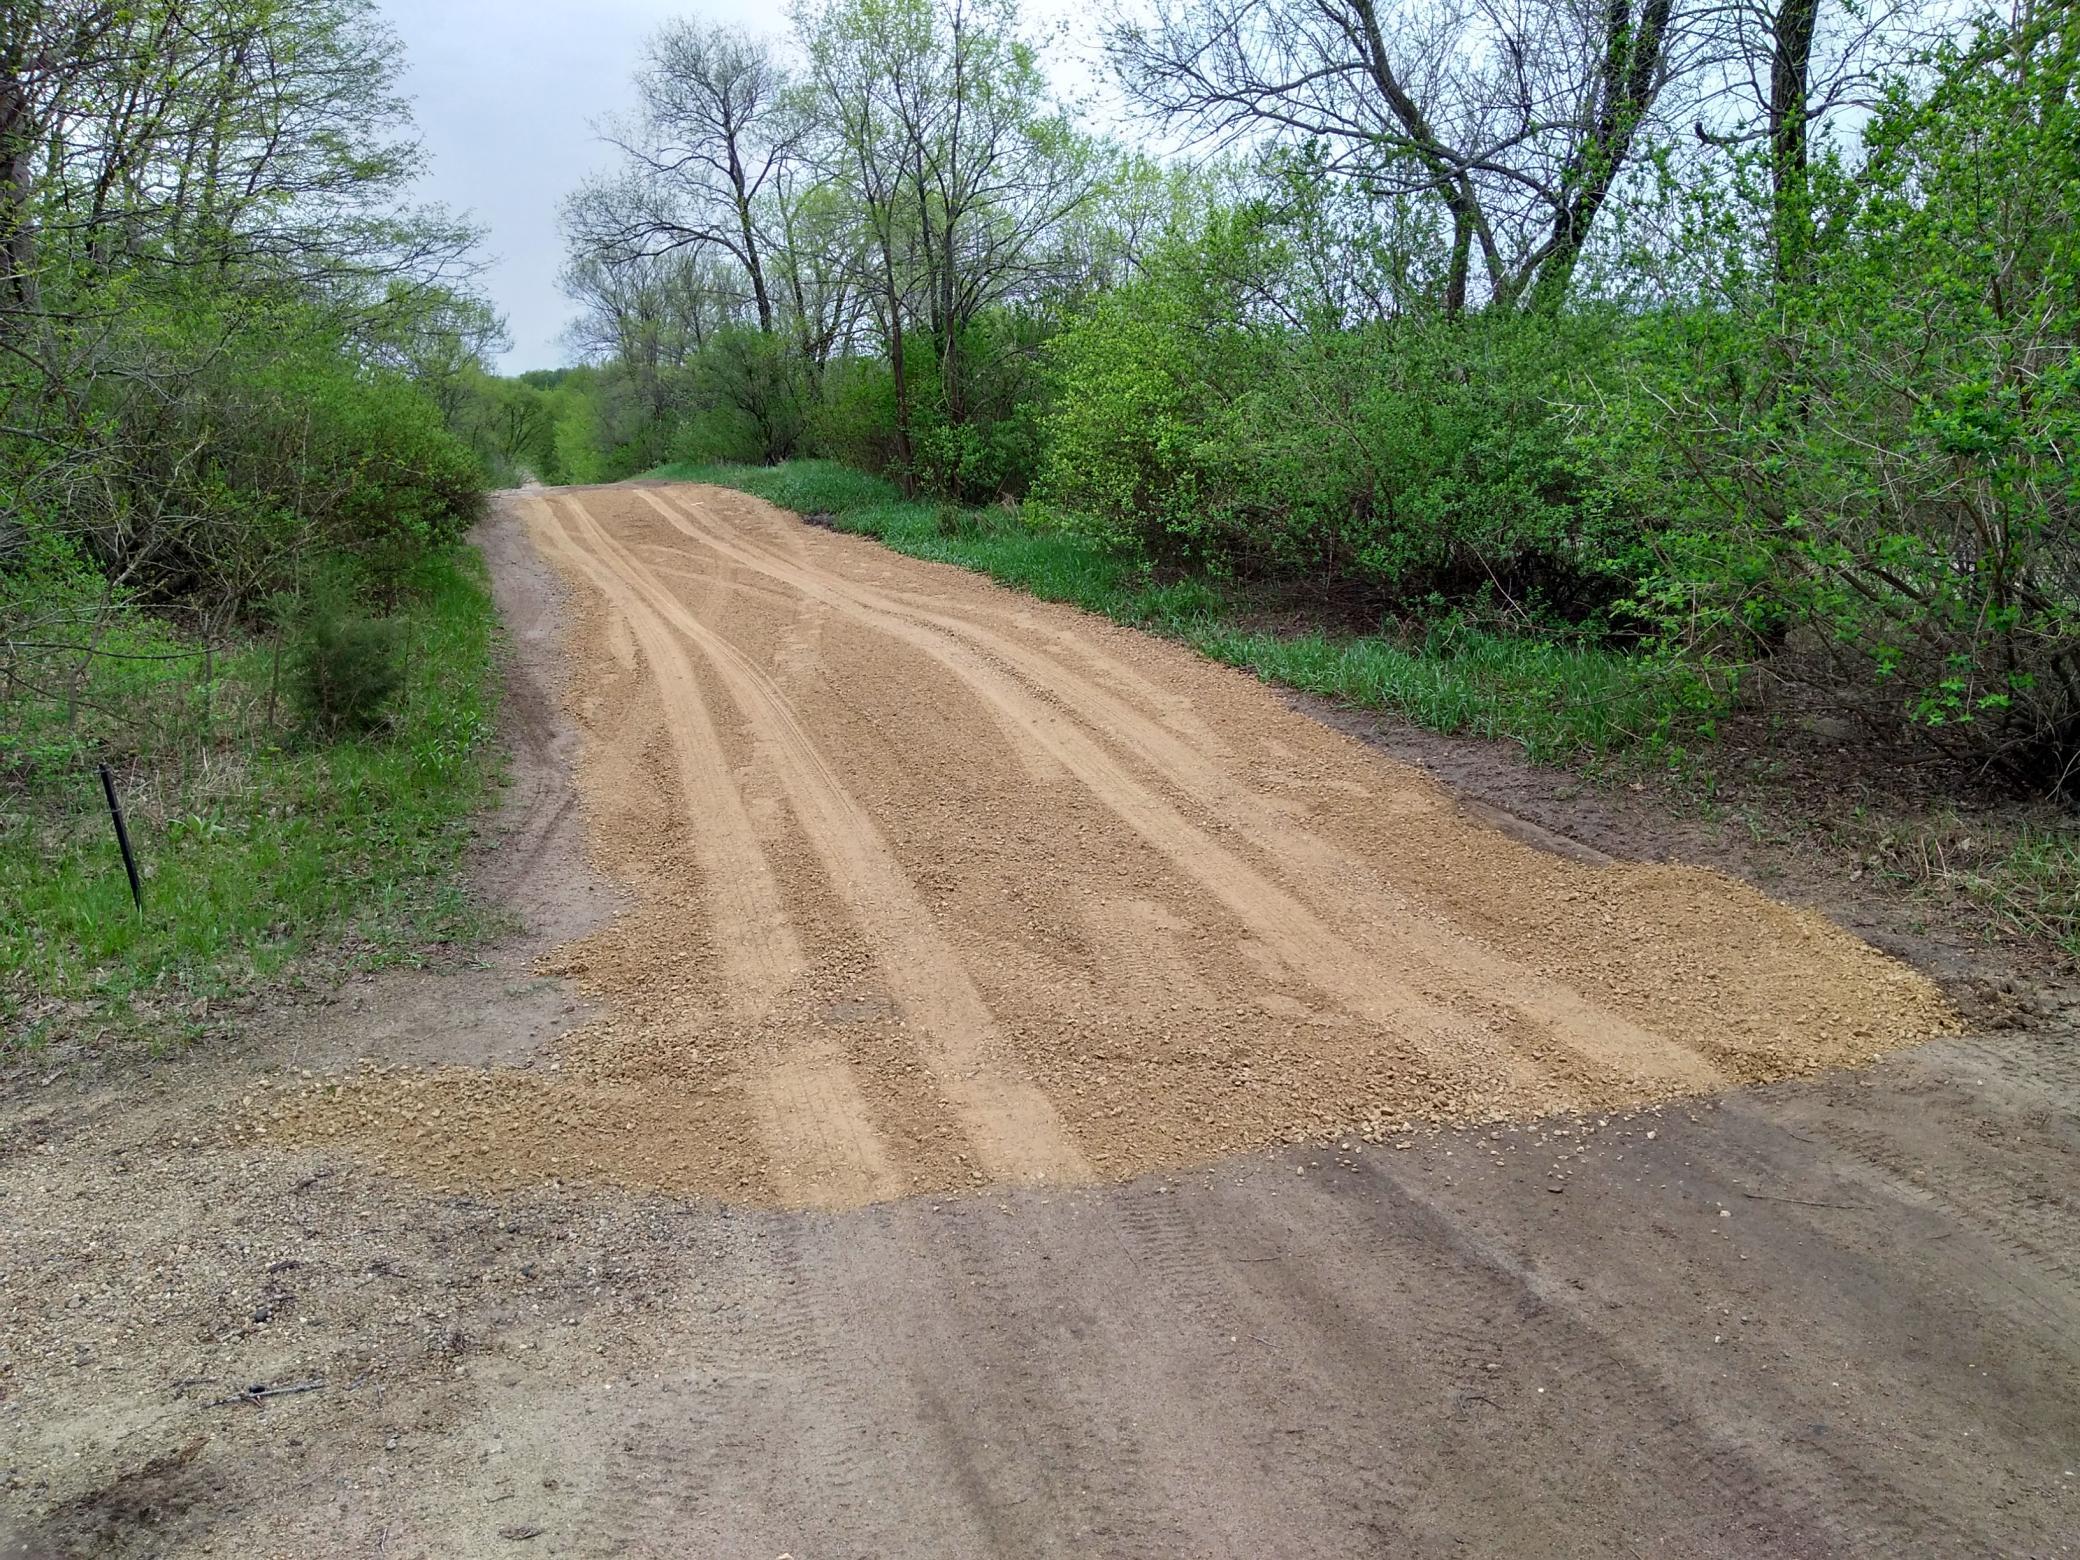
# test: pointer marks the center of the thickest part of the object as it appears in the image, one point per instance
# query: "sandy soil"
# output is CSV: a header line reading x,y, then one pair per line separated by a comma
x,y
864,1148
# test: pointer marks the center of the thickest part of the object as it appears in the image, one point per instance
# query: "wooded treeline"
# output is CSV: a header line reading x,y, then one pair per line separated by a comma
x,y
1741,335
244,422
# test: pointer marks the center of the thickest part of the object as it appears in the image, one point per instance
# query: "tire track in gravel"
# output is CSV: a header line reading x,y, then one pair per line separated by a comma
x,y
762,955
1603,1040
938,886
1425,1032
814,1117
1429,935
1016,1132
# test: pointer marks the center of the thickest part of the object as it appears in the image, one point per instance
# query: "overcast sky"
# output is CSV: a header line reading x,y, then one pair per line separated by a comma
x,y
506,92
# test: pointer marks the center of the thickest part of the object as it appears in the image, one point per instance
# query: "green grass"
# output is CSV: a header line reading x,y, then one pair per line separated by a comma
x,y
261,845
1559,701
2033,887
2023,876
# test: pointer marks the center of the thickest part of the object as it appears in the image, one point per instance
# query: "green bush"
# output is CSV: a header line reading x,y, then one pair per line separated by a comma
x,y
1866,471
403,487
998,387
349,665
259,444
975,435
854,420
1423,461
750,395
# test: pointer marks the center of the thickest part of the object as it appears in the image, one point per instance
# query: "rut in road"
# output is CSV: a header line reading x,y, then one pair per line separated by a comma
x,y
937,885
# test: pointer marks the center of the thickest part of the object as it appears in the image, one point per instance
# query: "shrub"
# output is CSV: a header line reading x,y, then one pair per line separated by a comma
x,y
1871,466
349,665
256,444
750,400
855,419
1421,460
990,449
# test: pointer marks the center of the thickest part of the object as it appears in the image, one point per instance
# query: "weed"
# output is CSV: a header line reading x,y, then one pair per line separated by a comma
x,y
348,666
2024,877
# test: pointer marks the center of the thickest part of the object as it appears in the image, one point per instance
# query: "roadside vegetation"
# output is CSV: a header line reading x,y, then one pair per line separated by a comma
x,y
244,426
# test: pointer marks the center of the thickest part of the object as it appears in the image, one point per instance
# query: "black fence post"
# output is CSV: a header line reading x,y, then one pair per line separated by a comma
x,y
115,811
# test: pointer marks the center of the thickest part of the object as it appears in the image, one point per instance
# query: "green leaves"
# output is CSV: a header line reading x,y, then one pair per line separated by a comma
x,y
1404,458
1889,441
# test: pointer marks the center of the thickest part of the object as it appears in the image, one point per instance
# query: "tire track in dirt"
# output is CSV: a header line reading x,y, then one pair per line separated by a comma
x,y
1015,1129
1591,1363
1604,1040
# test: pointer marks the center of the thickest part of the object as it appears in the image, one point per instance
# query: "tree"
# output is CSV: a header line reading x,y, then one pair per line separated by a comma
x,y
861,54
1518,119
185,181
702,155
933,119
1875,451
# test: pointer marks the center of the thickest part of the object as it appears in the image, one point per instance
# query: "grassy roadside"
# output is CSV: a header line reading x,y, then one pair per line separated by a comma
x,y
260,845
1569,704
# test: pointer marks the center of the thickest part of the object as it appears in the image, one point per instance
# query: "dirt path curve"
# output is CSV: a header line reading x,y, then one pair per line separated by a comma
x,y
938,885
872,1161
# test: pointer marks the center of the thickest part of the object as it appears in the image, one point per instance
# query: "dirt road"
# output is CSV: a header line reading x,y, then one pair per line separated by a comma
x,y
872,1148
939,886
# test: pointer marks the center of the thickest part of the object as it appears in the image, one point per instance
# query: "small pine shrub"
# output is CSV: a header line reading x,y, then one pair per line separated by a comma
x,y
349,666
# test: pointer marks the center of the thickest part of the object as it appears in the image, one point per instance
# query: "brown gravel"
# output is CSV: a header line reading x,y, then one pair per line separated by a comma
x,y
936,885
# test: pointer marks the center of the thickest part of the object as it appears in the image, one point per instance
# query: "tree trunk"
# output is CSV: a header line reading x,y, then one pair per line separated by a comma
x,y
906,474
1791,212
752,265
1631,64
950,348
1462,265
17,187
1453,186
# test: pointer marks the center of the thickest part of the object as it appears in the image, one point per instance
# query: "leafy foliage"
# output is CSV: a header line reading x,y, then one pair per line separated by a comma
x,y
1868,477
348,665
1416,460
238,371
